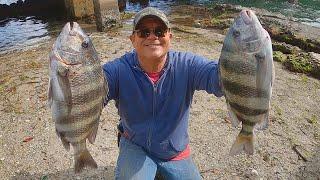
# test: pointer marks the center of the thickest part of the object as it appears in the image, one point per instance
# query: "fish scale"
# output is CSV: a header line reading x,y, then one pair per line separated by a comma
x,y
77,90
246,76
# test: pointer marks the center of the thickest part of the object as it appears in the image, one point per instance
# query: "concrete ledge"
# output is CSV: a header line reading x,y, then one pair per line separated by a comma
x,y
107,14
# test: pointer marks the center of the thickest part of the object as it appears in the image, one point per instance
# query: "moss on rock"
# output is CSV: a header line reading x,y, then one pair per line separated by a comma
x,y
285,48
303,63
299,62
279,56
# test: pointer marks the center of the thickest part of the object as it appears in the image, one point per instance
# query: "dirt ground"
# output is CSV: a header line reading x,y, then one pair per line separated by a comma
x,y
30,148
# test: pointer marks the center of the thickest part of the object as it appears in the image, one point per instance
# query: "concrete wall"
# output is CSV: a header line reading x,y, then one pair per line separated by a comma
x,y
107,14
79,8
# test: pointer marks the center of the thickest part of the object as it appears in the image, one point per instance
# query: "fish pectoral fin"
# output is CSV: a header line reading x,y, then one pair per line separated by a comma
x,y
262,69
59,85
234,120
242,143
65,90
82,160
61,68
93,134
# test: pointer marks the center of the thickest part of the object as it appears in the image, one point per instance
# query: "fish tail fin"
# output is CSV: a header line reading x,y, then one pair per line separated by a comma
x,y
243,143
84,159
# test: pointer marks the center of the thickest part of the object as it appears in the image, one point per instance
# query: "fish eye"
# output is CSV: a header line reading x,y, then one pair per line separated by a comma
x,y
85,44
236,33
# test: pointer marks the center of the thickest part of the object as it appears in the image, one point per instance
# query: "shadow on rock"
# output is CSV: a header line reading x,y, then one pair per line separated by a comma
x,y
106,173
311,169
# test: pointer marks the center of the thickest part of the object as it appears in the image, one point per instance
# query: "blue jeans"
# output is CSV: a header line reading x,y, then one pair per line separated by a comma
x,y
135,164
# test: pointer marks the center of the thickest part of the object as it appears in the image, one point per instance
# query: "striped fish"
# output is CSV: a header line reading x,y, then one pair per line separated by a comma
x,y
247,75
77,89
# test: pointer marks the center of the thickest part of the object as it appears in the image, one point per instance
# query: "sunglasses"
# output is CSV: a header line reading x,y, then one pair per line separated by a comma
x,y
144,33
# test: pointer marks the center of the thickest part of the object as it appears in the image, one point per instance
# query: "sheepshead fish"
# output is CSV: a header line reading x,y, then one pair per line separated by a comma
x,y
77,89
247,75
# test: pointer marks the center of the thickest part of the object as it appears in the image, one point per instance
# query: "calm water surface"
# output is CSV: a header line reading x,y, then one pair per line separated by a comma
x,y
8,2
21,32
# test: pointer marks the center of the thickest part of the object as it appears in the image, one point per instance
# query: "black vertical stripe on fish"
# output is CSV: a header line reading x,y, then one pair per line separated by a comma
x,y
88,96
238,67
243,91
247,126
246,133
248,123
82,130
246,110
85,114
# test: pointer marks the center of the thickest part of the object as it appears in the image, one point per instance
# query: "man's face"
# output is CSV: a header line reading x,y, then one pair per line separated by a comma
x,y
151,47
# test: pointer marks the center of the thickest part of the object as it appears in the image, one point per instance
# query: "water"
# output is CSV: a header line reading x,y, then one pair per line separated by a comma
x,y
21,32
163,5
18,33
8,2
305,11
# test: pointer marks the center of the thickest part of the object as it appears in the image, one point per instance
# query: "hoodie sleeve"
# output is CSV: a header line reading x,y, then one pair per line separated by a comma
x,y
204,75
110,70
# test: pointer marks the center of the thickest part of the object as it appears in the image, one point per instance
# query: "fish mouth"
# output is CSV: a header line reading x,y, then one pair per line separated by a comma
x,y
246,15
71,25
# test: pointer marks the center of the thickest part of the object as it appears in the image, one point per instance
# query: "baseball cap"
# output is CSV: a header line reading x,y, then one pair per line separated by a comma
x,y
150,11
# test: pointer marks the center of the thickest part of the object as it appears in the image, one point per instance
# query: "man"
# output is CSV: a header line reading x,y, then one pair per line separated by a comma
x,y
153,89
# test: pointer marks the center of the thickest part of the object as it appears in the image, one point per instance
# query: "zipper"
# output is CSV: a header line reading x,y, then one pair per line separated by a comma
x,y
153,114
155,88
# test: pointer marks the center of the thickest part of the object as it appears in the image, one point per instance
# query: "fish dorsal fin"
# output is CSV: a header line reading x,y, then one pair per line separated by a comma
x,y
50,93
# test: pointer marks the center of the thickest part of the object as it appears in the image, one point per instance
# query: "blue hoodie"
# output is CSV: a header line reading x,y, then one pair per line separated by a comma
x,y
155,116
